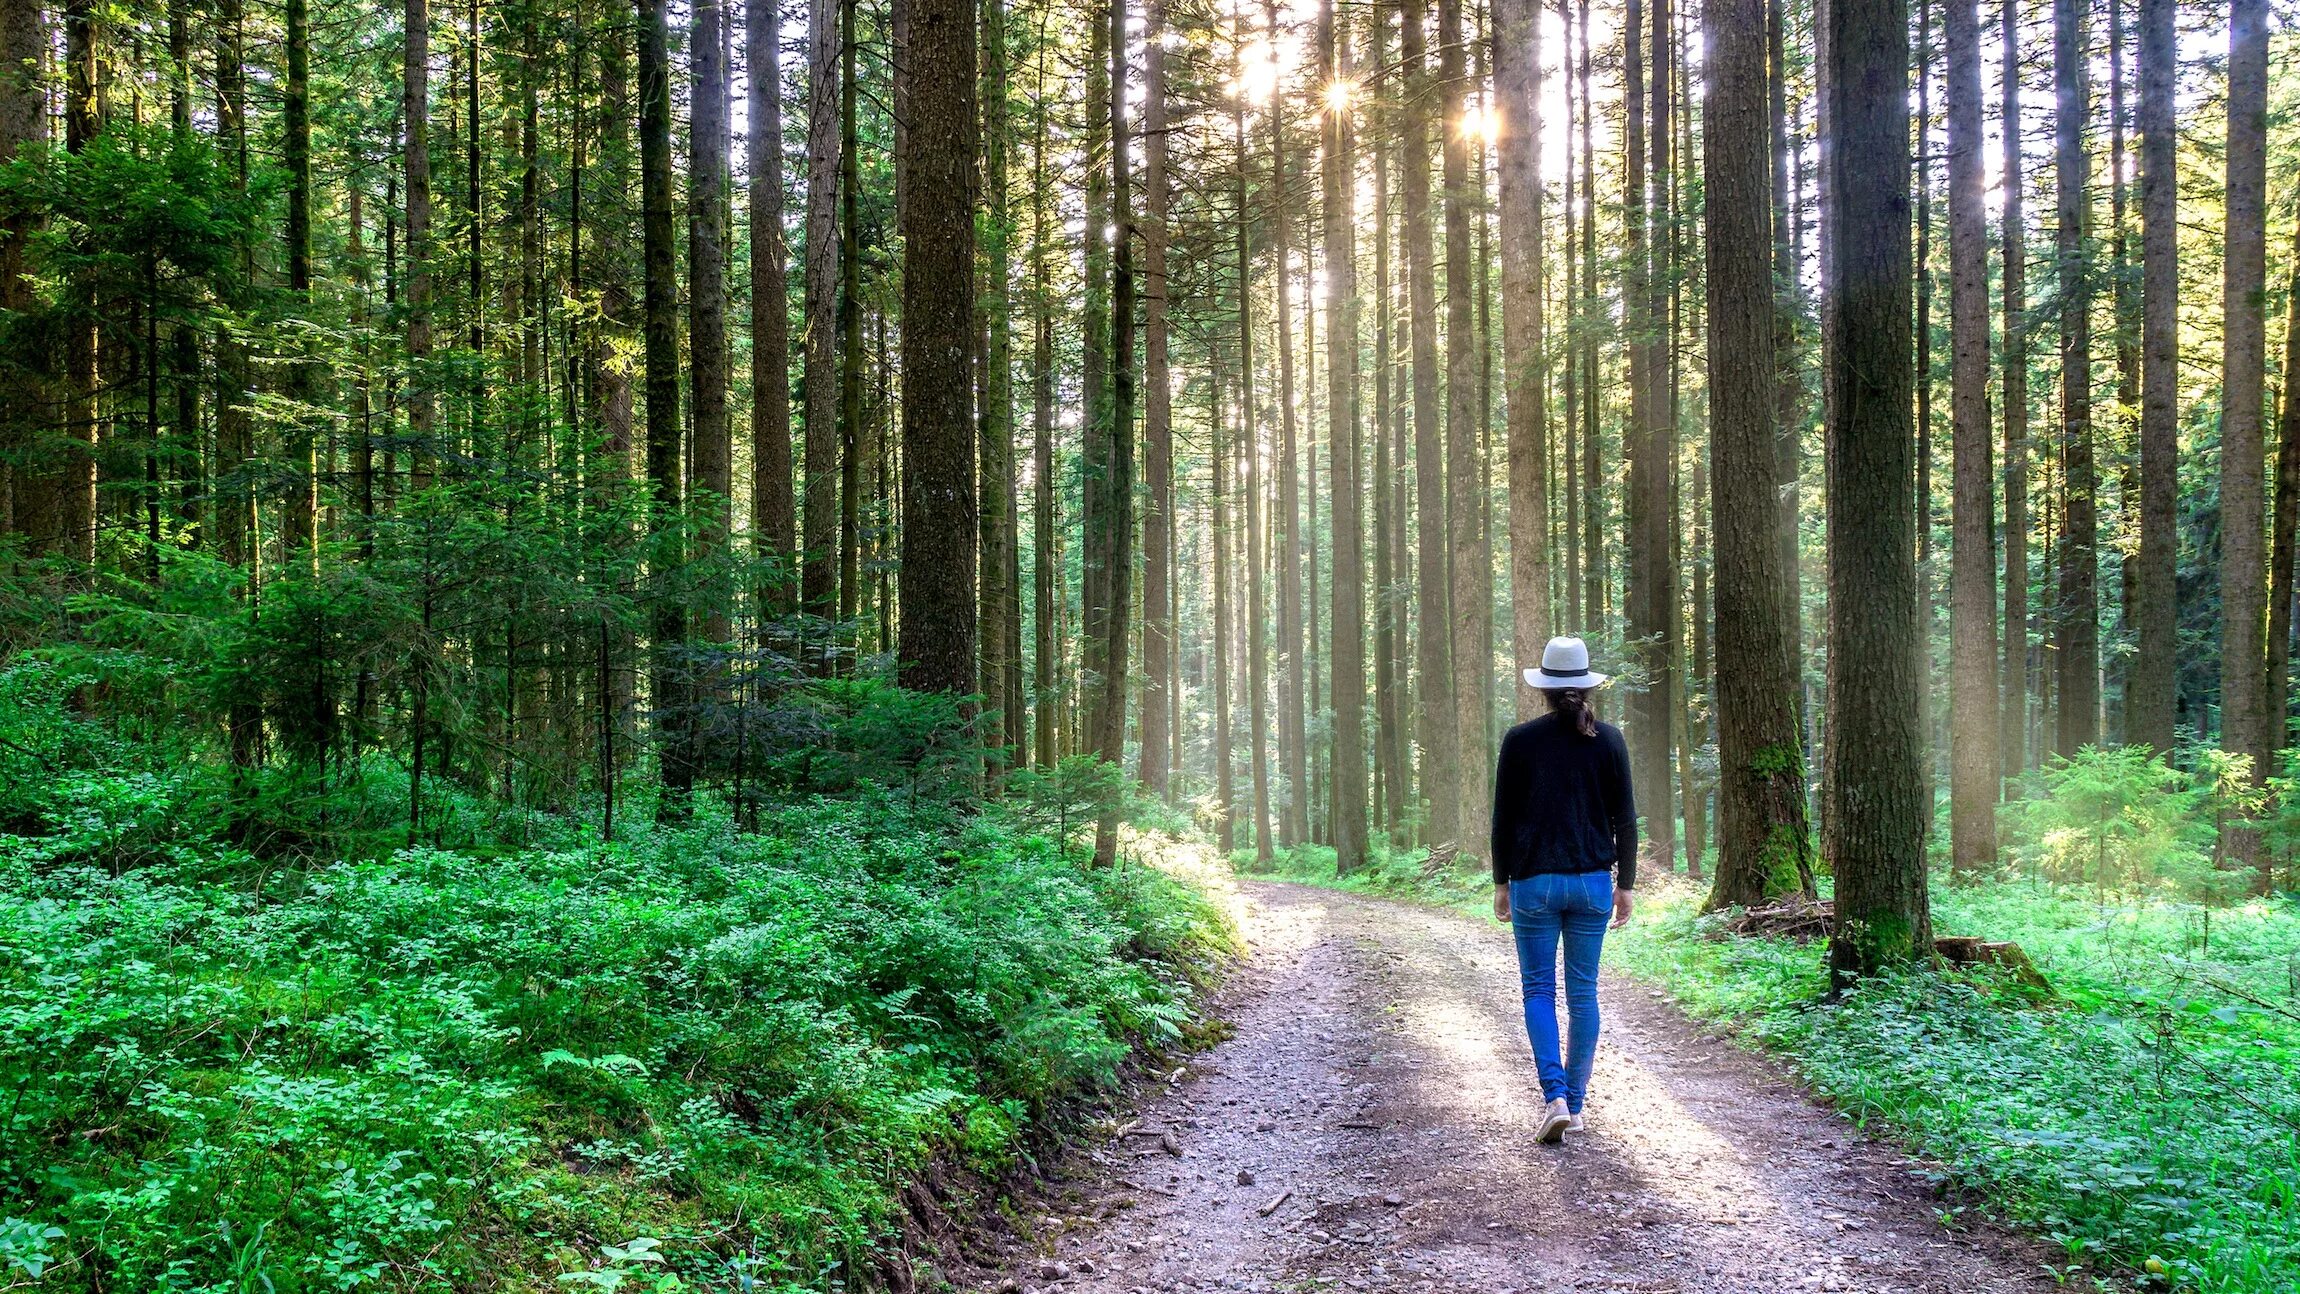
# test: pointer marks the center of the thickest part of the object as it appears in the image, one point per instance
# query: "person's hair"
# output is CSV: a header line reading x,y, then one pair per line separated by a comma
x,y
1574,704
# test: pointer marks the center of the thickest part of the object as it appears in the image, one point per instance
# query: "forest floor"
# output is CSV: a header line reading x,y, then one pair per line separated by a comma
x,y
1369,1126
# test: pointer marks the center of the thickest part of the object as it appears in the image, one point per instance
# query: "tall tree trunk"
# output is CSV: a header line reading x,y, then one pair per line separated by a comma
x,y
2149,698
1110,529
2078,633
1472,580
857,456
1391,758
1594,592
2013,369
69,492
661,327
1788,321
1524,343
1926,602
1569,458
819,372
1045,608
1157,421
707,144
2287,521
1440,719
1972,571
1651,600
24,495
1292,551
1875,820
1348,670
610,377
300,533
774,507
1764,848
235,509
1253,617
2125,312
1092,141
1225,787
996,452
2244,724
937,615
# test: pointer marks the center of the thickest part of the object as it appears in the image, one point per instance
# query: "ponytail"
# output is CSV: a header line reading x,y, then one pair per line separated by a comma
x,y
1573,703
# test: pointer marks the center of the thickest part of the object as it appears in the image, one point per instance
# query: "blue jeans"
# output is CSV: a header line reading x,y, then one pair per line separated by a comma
x,y
1542,911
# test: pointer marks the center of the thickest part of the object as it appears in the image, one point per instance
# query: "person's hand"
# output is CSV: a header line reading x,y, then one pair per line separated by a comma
x,y
1623,905
1501,901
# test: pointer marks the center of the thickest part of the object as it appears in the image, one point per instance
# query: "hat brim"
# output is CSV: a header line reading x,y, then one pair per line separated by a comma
x,y
1552,683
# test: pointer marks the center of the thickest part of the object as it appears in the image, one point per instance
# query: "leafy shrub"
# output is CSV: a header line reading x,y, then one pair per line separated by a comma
x,y
2147,1114
438,1068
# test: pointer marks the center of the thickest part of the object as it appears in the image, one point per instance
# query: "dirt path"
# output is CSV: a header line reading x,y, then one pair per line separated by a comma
x,y
1378,1089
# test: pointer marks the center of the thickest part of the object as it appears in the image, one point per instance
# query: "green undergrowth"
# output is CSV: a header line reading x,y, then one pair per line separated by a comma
x,y
697,1057
2144,1118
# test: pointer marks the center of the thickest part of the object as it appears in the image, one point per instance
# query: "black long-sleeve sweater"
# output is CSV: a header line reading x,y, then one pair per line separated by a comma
x,y
1562,803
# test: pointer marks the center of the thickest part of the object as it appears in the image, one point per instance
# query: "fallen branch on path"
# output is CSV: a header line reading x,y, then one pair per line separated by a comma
x,y
1145,1186
1274,1205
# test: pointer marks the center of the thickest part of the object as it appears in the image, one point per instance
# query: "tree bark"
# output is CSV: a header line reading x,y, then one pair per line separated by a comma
x,y
1111,531
996,452
300,531
1392,760
774,507
2280,563
1972,569
2244,726
819,373
1595,591
858,457
2013,711
1292,555
1471,578
1348,669
713,443
2078,623
1045,608
938,434
1650,599
1788,325
661,327
2150,687
1157,718
25,494
1875,820
1764,847
1524,343
1440,720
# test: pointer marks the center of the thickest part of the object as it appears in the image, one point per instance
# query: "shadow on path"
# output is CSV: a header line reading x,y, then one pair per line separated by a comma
x,y
1379,1092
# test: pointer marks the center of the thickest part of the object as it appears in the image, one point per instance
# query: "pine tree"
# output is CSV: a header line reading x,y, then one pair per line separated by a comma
x,y
938,311
2244,721
2149,704
1874,778
1763,844
1972,575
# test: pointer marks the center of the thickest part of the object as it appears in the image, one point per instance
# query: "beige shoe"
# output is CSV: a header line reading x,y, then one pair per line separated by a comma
x,y
1575,1125
1553,1121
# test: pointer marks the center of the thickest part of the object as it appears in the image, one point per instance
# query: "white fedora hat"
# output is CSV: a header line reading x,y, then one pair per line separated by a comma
x,y
1564,664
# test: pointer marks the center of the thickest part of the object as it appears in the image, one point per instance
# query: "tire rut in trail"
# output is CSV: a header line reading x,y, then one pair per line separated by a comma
x,y
1370,1126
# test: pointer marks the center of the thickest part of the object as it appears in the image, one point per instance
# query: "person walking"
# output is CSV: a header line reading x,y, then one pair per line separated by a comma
x,y
1564,855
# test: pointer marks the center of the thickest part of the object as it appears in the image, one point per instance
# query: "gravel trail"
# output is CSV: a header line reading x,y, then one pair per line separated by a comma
x,y
1369,1126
